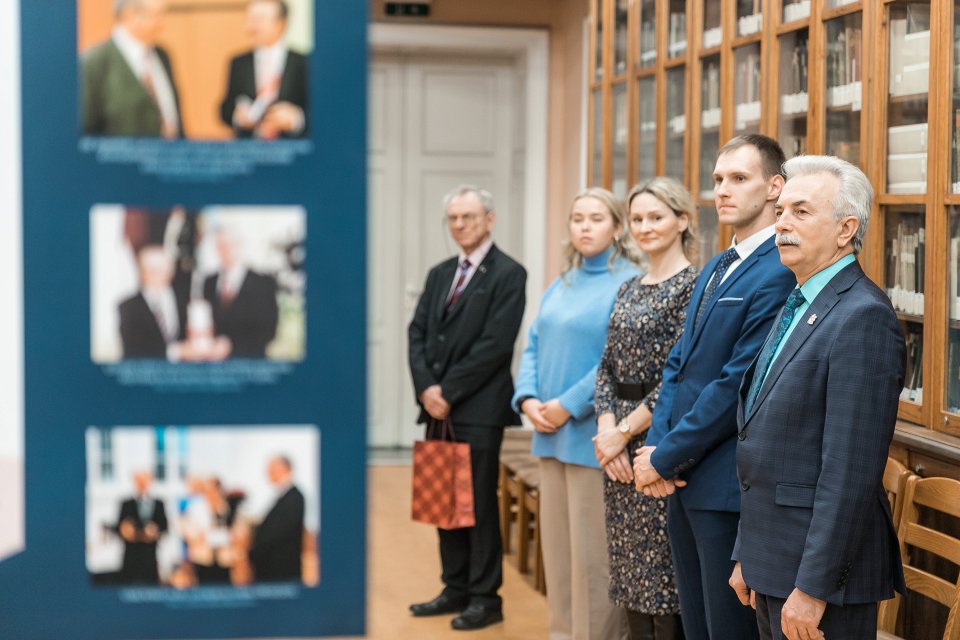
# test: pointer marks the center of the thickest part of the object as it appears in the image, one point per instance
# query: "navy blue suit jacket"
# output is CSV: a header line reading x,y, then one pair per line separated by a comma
x,y
814,514
695,420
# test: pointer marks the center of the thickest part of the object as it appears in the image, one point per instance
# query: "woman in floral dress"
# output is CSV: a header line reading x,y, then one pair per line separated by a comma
x,y
646,321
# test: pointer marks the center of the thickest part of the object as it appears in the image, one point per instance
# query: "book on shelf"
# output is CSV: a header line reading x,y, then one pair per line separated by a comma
x,y
953,293
711,85
748,77
913,378
677,36
953,373
906,262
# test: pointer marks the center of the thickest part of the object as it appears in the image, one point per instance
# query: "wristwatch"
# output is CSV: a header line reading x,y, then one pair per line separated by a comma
x,y
624,428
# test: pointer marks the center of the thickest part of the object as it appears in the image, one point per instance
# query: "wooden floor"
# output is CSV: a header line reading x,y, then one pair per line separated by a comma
x,y
405,568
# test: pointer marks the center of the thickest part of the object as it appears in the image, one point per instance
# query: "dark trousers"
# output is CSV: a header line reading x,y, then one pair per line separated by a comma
x,y
851,622
701,543
472,557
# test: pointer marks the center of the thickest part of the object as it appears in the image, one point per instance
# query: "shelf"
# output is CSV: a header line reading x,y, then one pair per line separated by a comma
x,y
909,317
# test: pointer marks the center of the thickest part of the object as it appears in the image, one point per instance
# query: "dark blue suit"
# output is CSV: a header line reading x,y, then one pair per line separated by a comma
x,y
694,430
814,514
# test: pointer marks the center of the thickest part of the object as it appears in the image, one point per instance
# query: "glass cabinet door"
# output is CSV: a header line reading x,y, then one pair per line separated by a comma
x,y
795,10
952,383
648,33
647,134
844,87
709,122
747,89
794,99
712,27
619,165
677,29
598,42
909,73
676,122
620,37
954,177
707,234
596,161
749,17
905,256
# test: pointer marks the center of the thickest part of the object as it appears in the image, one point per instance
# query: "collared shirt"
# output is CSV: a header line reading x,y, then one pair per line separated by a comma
x,y
810,290
268,65
475,258
163,304
143,61
231,280
747,247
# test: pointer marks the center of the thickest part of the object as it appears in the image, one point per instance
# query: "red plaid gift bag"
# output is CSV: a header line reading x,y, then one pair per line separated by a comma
x,y
442,480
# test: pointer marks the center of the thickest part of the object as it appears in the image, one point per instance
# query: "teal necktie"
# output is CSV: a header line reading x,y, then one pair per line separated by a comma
x,y
794,301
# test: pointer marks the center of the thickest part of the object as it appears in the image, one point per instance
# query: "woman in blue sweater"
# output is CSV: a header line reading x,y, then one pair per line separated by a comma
x,y
555,389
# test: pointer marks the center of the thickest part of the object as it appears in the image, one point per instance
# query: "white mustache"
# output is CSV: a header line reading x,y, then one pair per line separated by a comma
x,y
784,238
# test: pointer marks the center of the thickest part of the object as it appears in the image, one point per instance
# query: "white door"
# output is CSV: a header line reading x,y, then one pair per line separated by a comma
x,y
435,122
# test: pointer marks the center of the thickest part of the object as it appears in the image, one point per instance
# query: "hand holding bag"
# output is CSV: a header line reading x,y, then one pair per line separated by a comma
x,y
442,480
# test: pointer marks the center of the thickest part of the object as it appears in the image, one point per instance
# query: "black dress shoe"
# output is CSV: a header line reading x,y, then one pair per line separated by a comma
x,y
439,605
476,616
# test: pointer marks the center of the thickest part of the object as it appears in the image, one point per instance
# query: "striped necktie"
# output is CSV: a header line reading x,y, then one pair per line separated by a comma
x,y
461,282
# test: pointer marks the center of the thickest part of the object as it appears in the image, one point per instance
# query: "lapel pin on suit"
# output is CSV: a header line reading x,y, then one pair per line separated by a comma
x,y
812,319
483,269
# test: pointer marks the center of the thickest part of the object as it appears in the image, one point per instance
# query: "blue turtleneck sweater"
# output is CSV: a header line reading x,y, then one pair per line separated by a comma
x,y
563,349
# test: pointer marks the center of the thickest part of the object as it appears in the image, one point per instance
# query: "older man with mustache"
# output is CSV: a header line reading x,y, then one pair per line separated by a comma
x,y
816,547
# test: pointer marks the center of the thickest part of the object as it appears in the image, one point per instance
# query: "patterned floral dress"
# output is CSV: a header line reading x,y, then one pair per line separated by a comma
x,y
645,323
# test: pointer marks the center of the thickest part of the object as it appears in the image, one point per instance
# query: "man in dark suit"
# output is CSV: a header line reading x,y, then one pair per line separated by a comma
x,y
461,346
141,522
244,302
267,87
278,540
127,82
154,319
691,446
817,548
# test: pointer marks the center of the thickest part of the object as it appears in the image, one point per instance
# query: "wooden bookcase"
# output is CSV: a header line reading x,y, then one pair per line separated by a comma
x,y
875,82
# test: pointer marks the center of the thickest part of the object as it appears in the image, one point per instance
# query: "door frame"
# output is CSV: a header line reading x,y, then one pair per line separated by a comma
x,y
530,49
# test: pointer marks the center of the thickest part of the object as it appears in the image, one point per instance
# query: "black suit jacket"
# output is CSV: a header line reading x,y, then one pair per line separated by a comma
x,y
241,82
811,453
250,320
278,541
140,558
139,332
467,350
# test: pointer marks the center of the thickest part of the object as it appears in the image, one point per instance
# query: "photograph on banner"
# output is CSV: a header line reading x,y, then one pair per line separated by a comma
x,y
205,284
196,506
195,70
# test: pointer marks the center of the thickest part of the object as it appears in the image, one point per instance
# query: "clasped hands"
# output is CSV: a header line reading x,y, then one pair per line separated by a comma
x,y
648,480
547,416
801,613
434,402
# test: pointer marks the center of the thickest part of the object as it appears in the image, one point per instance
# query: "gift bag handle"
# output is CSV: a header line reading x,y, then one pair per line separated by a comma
x,y
445,428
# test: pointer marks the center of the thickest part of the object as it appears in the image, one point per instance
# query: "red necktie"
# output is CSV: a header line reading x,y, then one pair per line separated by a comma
x,y
461,282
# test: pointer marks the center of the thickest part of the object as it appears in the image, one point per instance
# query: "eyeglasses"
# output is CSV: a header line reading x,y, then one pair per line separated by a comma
x,y
469,218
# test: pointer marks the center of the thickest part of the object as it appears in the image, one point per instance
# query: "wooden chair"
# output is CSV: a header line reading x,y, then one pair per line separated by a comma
x,y
514,453
895,481
939,494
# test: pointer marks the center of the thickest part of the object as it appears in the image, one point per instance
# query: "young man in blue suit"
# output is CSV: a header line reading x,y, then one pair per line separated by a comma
x,y
692,442
816,548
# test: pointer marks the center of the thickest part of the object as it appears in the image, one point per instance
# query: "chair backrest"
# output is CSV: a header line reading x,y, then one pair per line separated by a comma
x,y
943,495
895,481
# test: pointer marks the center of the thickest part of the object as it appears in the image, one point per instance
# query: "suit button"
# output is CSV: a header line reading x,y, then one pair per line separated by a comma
x,y
742,435
441,338
745,486
436,366
680,377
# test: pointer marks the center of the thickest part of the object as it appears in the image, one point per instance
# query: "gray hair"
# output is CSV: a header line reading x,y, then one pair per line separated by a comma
x,y
854,192
485,197
120,5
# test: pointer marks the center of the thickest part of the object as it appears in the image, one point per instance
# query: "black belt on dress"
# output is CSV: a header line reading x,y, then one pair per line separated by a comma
x,y
635,390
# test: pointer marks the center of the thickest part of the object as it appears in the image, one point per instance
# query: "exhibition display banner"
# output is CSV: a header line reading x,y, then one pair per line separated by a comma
x,y
184,249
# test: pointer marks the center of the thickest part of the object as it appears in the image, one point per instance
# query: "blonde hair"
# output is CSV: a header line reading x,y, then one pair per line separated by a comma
x,y
623,243
672,193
